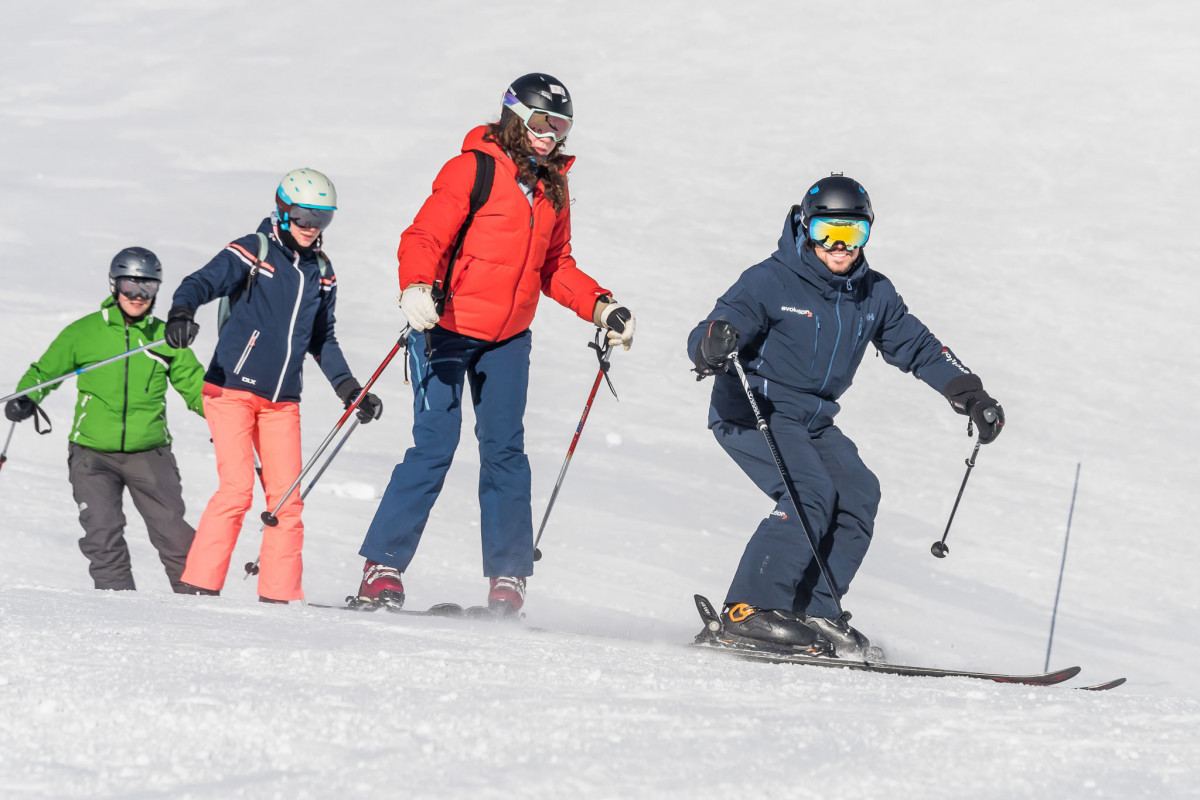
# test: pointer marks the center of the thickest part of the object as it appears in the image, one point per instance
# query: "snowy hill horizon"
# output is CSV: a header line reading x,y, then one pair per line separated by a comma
x,y
1020,159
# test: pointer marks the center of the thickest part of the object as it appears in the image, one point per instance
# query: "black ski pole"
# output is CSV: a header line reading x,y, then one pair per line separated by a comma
x,y
7,442
761,423
602,354
1062,567
252,566
269,517
80,371
940,549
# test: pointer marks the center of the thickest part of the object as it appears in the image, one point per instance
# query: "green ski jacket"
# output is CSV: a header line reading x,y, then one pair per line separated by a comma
x,y
122,406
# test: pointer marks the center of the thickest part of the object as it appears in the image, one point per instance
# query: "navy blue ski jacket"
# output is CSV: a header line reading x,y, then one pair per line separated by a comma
x,y
286,312
804,331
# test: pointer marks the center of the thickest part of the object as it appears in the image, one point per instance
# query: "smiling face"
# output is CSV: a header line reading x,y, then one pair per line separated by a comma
x,y
839,260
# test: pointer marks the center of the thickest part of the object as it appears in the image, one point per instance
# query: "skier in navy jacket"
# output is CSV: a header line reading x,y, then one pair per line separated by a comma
x,y
283,293
800,323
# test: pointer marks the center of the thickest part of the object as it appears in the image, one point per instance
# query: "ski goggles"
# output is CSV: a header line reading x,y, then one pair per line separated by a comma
x,y
308,217
542,124
851,233
138,288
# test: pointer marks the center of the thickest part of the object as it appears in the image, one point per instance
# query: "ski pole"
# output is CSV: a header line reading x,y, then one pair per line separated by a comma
x,y
80,371
761,423
252,566
269,517
940,549
602,354
7,442
1062,567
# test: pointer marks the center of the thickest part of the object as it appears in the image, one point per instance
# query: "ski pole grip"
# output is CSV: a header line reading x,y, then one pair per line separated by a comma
x,y
989,414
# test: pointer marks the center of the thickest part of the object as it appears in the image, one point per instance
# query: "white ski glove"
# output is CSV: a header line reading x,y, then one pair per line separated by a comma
x,y
417,304
617,319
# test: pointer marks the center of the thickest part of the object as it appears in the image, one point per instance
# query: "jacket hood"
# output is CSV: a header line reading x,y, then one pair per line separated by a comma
x,y
805,263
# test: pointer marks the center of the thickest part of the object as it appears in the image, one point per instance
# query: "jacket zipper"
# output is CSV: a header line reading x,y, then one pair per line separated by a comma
x,y
237,369
816,341
125,401
291,333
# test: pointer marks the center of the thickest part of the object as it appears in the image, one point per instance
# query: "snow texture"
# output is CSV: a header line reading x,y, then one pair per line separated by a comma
x,y
1023,160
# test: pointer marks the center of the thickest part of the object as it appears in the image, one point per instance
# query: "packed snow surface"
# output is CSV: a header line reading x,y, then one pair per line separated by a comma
x,y
1030,165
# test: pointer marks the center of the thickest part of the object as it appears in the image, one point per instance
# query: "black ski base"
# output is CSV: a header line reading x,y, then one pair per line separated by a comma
x,y
713,638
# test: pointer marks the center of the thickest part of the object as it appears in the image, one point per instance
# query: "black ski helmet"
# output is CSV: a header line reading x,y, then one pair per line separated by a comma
x,y
134,262
539,90
835,196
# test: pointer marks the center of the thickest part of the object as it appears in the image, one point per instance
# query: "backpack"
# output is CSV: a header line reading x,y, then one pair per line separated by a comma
x,y
225,305
481,190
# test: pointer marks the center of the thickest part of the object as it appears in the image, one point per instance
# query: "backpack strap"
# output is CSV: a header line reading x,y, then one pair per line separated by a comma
x,y
481,190
225,306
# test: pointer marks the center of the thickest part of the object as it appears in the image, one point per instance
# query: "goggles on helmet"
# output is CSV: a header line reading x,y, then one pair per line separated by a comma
x,y
137,288
542,124
827,232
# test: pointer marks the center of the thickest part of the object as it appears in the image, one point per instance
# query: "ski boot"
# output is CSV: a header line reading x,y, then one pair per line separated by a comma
x,y
506,595
381,587
848,642
774,629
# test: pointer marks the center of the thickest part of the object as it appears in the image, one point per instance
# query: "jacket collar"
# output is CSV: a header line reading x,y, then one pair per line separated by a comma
x,y
115,319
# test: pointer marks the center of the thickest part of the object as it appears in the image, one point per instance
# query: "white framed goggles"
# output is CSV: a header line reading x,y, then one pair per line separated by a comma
x,y
829,232
542,124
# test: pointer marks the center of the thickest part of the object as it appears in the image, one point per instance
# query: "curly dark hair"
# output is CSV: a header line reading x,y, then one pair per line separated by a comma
x,y
509,133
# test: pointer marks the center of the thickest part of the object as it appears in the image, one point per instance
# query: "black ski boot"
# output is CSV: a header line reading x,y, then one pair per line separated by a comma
x,y
848,642
773,628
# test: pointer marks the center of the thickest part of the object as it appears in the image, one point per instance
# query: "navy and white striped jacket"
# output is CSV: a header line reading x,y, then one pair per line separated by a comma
x,y
287,312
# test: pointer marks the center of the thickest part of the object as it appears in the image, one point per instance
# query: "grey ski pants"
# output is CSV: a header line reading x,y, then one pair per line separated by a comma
x,y
98,480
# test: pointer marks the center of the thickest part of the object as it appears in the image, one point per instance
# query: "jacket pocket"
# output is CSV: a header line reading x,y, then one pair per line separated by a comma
x,y
237,370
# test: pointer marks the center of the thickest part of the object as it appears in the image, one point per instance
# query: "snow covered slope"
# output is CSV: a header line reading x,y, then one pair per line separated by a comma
x,y
1029,163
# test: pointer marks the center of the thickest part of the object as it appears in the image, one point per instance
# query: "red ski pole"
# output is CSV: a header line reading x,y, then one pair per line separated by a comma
x,y
602,374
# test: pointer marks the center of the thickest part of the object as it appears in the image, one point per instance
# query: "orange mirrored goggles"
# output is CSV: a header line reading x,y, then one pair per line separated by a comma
x,y
827,232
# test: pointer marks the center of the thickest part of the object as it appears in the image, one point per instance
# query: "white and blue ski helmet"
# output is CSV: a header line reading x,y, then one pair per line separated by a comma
x,y
306,197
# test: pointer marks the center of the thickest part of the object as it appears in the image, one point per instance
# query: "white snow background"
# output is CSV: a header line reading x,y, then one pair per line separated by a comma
x,y
1033,169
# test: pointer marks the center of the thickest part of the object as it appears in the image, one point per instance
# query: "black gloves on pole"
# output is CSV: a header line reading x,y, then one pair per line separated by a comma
x,y
717,344
21,408
371,406
967,397
180,330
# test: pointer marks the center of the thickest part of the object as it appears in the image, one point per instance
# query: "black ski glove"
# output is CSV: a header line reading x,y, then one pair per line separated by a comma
x,y
717,344
180,331
967,397
19,409
371,406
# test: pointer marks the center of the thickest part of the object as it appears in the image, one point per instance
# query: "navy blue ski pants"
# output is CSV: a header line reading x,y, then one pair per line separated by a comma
x,y
839,498
497,374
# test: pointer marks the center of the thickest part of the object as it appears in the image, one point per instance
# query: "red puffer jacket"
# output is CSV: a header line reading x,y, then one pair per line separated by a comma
x,y
511,253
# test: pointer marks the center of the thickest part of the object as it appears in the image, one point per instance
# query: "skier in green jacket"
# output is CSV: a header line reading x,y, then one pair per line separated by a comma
x,y
120,439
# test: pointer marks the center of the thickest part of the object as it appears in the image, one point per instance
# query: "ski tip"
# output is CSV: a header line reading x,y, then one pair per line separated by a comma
x,y
1102,687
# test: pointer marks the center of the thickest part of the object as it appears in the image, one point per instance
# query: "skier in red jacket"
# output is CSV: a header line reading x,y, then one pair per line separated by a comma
x,y
475,330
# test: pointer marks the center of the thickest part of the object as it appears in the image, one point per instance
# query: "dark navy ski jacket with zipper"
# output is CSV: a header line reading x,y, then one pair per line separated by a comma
x,y
803,332
287,312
